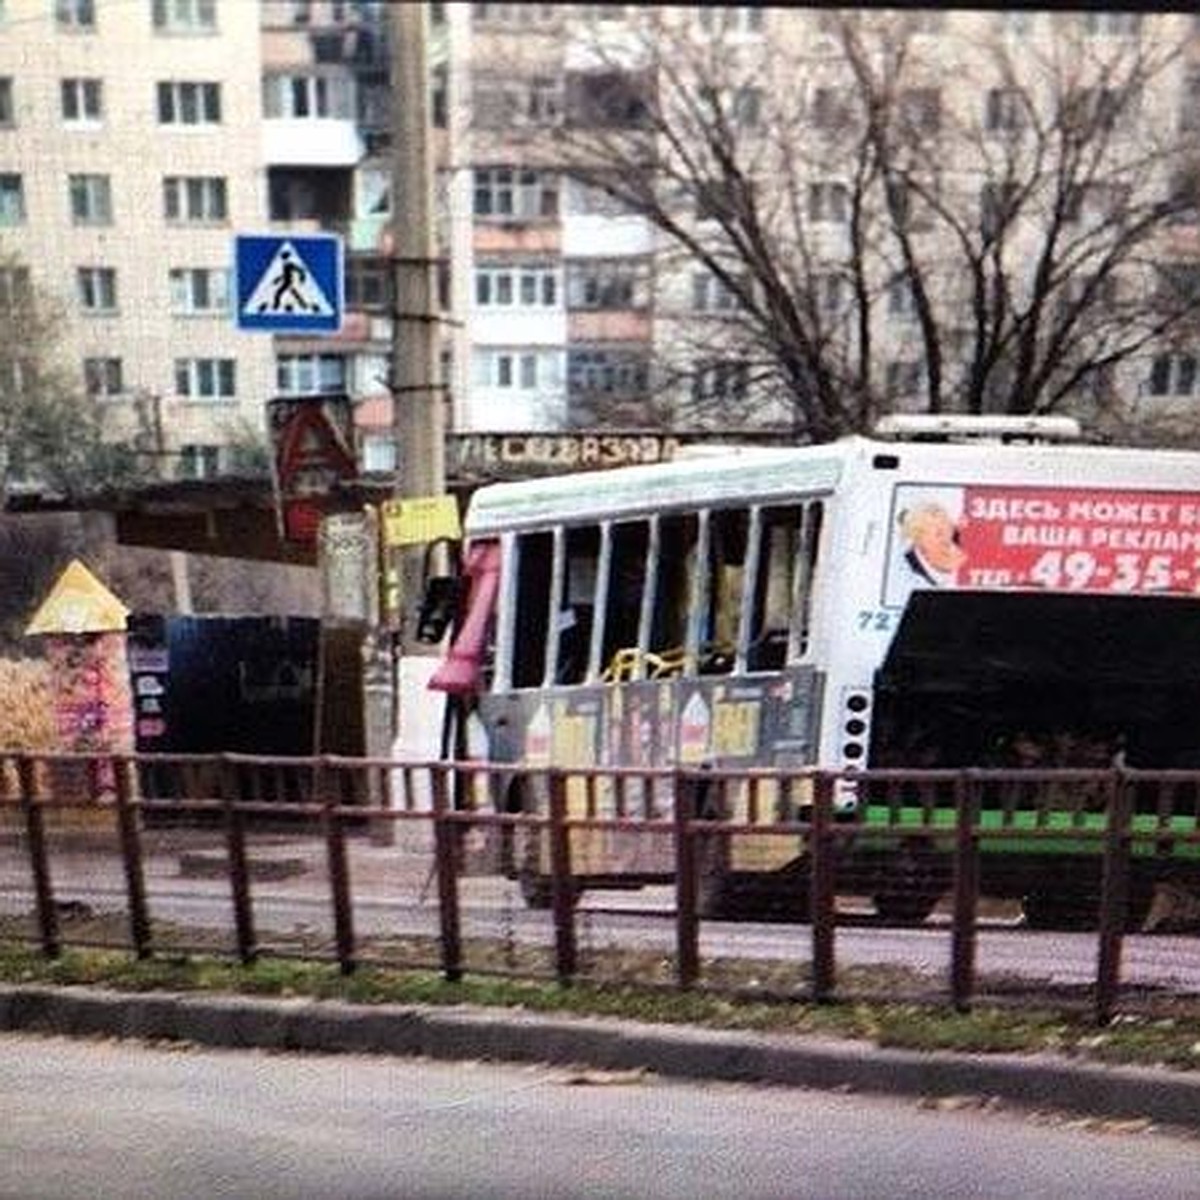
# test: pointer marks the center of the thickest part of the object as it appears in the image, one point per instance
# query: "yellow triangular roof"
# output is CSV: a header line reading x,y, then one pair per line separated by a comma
x,y
78,603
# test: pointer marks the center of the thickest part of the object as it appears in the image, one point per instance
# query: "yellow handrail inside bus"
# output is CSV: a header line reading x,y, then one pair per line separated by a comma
x,y
624,664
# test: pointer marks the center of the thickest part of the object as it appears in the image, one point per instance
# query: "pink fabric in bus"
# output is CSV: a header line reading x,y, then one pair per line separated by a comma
x,y
462,669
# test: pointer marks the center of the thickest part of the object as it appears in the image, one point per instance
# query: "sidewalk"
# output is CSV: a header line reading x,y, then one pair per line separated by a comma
x,y
1038,1082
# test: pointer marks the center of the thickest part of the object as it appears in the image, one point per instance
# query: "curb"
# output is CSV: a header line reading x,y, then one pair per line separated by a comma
x,y
246,1022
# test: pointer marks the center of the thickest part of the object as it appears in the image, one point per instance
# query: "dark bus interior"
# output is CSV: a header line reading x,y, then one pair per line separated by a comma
x,y
1040,680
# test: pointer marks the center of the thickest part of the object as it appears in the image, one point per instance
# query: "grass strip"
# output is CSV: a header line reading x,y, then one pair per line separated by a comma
x,y
1171,1041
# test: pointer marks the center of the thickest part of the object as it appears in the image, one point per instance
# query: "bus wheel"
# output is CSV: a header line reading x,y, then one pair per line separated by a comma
x,y
1051,906
905,909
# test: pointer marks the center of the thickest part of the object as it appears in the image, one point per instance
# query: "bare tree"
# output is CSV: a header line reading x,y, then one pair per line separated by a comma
x,y
897,220
51,436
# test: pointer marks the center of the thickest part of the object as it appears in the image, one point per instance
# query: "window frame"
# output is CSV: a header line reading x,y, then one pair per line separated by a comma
x,y
318,373
179,191
191,372
90,199
96,290
183,16
188,283
174,97
83,93
107,370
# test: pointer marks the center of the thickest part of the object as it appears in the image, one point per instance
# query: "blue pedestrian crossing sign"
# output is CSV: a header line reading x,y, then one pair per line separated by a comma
x,y
289,284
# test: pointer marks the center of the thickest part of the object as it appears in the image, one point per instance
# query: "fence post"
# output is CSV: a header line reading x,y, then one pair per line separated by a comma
x,y
129,828
38,861
1114,895
339,871
966,891
239,871
565,958
445,848
687,949
822,887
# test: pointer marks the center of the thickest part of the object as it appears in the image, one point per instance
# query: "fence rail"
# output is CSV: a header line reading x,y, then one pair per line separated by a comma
x,y
913,834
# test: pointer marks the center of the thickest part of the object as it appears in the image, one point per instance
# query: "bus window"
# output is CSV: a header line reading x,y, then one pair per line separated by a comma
x,y
674,584
805,577
535,559
727,540
629,552
771,599
575,615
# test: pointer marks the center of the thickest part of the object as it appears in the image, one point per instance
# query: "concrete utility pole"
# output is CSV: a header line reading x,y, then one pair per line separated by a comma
x,y
416,385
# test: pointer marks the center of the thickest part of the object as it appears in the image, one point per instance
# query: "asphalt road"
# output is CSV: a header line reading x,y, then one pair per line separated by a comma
x,y
89,1120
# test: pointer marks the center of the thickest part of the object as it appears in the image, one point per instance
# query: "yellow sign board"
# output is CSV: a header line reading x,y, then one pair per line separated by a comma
x,y
78,603
410,522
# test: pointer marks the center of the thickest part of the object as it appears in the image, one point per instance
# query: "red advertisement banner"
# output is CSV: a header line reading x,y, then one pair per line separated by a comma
x,y
1058,539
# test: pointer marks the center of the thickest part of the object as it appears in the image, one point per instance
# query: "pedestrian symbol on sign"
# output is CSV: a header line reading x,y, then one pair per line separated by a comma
x,y
288,286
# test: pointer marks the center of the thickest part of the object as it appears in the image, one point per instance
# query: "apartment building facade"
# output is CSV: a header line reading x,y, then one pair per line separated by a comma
x,y
137,138
130,148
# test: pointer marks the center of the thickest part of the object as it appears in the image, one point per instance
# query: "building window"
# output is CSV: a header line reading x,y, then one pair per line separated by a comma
x,y
368,285
585,199
517,370
14,372
189,103
1101,109
97,288
378,455
91,199
512,194
746,105
828,202
904,379
1004,110
12,200
184,16
532,286
501,101
726,379
197,291
199,461
607,372
921,109
195,198
206,378
731,18
81,101
615,284
710,294
829,292
1173,375
997,203
308,97
1016,22
901,301
1111,24
75,14
608,99
7,112
310,374
102,377
513,15
15,289
830,108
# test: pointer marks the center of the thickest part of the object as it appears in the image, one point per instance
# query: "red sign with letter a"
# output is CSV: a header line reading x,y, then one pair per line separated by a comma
x,y
313,440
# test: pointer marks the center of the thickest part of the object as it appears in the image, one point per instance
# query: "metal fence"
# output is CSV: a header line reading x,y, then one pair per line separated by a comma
x,y
914,903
